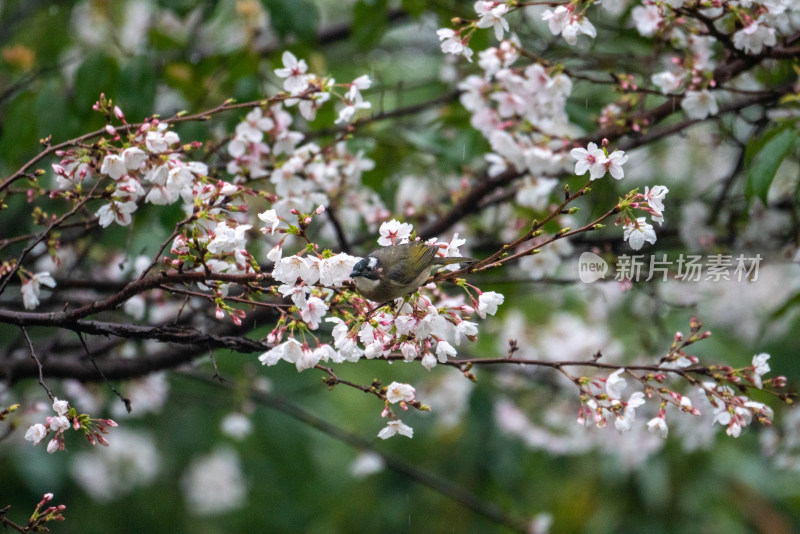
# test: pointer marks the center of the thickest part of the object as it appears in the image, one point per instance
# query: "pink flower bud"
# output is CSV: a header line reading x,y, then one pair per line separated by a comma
x,y
110,130
52,446
119,114
320,210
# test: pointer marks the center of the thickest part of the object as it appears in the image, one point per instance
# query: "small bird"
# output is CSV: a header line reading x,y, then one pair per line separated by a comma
x,y
397,270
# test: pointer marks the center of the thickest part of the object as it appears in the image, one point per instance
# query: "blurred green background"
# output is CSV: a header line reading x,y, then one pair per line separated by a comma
x,y
288,475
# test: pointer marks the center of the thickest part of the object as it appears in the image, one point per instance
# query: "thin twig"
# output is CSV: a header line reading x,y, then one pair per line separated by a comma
x,y
125,400
38,363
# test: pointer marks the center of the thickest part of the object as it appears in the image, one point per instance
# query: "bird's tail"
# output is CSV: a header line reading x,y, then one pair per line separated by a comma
x,y
454,259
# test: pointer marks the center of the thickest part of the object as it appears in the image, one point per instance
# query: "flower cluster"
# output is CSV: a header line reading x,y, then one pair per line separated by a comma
x,y
149,166
304,177
67,417
596,404
756,25
41,515
636,230
418,329
598,162
641,399
491,15
521,112
403,394
311,91
730,410
565,22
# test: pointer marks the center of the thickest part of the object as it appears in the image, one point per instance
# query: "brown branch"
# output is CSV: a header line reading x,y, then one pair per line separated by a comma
x,y
65,318
7,523
125,129
43,235
81,368
186,343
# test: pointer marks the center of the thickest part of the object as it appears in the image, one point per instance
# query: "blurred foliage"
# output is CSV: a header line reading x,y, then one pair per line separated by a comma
x,y
58,56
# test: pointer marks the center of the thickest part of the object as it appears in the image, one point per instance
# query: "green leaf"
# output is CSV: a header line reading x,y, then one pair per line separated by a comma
x,y
138,92
99,73
790,304
18,135
415,8
369,22
763,157
293,17
52,113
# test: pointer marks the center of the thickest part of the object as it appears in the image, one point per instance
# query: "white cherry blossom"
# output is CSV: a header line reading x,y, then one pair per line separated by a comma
x,y
638,232
294,72
396,427
397,392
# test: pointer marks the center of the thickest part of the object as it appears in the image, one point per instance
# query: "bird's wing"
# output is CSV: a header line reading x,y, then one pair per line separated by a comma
x,y
420,258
